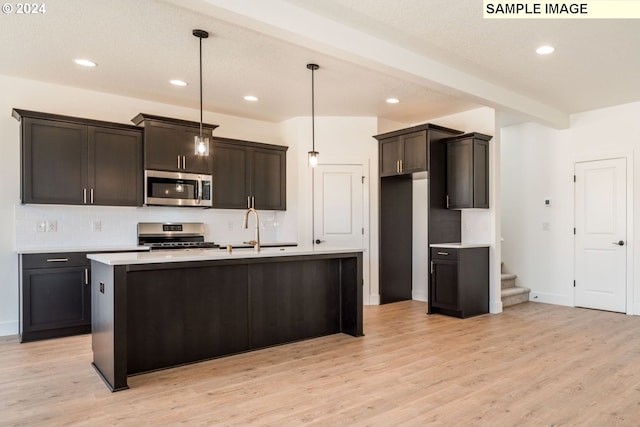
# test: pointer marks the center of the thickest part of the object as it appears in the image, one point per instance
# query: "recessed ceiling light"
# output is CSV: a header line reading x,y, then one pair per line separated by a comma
x,y
545,50
178,82
251,98
85,62
392,100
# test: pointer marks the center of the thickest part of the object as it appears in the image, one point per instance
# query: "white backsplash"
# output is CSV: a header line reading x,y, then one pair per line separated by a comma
x,y
75,225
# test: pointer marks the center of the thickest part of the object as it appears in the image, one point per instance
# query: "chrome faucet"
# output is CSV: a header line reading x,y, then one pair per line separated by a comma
x,y
245,224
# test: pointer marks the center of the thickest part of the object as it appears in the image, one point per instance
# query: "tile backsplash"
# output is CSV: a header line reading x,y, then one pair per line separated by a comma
x,y
64,227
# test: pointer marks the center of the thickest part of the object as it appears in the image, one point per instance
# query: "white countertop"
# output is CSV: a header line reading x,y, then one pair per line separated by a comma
x,y
124,248
185,255
459,245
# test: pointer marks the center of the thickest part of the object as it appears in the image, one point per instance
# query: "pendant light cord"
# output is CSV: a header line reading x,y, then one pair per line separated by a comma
x,y
313,114
200,87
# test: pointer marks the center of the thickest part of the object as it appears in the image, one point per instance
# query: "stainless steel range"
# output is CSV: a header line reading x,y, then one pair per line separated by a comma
x,y
173,235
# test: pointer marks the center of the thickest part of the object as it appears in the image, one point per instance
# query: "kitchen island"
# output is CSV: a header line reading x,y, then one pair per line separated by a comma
x,y
167,308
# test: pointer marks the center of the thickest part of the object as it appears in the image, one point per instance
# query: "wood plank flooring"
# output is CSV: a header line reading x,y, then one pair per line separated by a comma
x,y
533,365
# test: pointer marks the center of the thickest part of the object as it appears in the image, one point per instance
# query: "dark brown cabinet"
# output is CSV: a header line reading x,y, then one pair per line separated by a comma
x,y
459,281
420,148
169,144
249,174
403,154
55,295
67,160
468,171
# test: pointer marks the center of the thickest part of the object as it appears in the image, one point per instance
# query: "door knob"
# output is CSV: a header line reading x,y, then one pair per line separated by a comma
x,y
318,241
620,243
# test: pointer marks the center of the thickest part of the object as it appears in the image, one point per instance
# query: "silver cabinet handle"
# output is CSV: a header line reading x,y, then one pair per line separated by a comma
x,y
447,202
401,166
86,276
432,267
184,162
248,202
84,196
178,161
397,166
443,253
253,202
58,260
91,194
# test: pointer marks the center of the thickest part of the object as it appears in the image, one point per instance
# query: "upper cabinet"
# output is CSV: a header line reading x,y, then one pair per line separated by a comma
x,y
169,144
406,151
403,154
468,171
69,160
249,174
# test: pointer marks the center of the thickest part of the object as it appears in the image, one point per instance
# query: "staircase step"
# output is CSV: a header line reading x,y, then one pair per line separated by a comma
x,y
514,295
508,280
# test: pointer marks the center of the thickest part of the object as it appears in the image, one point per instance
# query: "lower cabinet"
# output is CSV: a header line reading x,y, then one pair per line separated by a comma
x,y
55,295
459,281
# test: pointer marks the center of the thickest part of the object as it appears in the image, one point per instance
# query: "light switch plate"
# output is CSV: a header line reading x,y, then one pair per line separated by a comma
x,y
96,225
41,226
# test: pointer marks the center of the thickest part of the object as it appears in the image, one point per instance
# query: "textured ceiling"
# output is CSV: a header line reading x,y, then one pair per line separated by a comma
x,y
140,45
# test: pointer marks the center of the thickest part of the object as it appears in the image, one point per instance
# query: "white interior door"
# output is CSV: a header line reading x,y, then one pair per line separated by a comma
x,y
601,234
338,206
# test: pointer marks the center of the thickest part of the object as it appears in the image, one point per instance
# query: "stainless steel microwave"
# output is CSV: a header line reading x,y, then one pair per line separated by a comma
x,y
162,188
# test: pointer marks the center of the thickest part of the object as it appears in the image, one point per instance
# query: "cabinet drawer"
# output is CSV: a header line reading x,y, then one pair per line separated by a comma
x,y
55,259
450,254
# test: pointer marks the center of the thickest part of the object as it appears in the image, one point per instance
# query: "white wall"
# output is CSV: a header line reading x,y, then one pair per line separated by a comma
x,y
17,222
538,163
339,140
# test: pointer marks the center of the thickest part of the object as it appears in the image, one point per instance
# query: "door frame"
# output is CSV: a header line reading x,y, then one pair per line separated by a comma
x,y
366,237
628,156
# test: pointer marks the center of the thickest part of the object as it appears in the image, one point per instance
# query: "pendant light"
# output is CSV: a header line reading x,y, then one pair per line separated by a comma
x,y
313,154
201,144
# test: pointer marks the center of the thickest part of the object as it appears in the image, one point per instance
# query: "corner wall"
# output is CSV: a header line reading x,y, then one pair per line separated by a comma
x,y
538,163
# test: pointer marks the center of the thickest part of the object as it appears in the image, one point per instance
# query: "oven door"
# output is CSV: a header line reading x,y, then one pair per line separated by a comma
x,y
163,188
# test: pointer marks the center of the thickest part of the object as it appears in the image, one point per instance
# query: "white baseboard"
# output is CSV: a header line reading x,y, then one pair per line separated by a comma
x,y
8,328
495,307
419,296
374,299
548,298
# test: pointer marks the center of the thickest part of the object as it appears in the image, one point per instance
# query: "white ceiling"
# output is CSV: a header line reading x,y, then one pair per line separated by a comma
x,y
438,57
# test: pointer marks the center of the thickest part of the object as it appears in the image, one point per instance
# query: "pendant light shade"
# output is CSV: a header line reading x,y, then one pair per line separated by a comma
x,y
201,143
313,154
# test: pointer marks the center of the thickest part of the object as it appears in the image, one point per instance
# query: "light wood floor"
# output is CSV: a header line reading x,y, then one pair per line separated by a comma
x,y
533,365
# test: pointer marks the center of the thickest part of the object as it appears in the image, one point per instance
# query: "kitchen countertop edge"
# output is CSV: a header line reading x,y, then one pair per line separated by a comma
x,y
459,245
155,257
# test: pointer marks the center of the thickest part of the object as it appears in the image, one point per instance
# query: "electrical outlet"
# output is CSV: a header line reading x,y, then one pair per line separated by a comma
x,y
96,225
41,226
52,226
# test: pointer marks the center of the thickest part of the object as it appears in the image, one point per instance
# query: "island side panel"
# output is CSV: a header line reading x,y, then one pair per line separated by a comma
x,y
180,315
108,323
351,284
294,300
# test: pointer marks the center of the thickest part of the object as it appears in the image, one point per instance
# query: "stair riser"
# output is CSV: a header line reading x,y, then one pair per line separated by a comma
x,y
515,299
508,283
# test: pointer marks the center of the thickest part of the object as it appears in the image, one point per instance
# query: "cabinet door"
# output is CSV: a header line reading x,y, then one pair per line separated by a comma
x,y
230,171
54,168
460,174
444,284
414,152
192,162
115,167
161,149
55,298
481,174
390,155
268,179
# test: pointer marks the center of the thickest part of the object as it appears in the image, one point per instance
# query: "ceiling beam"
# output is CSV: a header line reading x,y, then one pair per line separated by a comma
x,y
286,21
